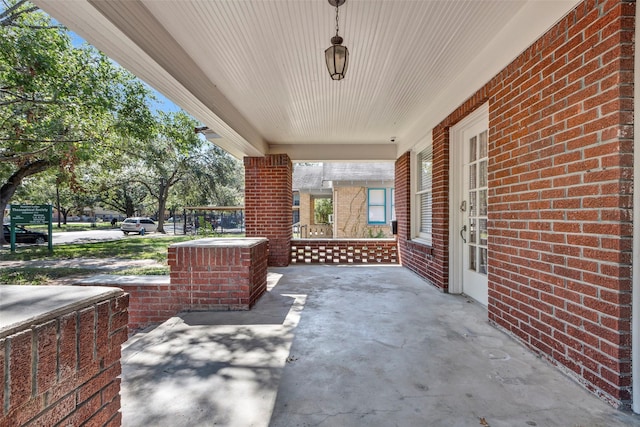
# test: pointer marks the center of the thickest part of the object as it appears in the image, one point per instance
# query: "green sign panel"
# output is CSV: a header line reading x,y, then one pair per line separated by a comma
x,y
30,214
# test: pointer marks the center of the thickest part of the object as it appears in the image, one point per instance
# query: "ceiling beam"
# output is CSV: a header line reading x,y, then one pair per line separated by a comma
x,y
336,152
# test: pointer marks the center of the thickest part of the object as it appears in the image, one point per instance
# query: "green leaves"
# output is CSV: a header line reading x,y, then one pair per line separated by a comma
x,y
76,114
57,100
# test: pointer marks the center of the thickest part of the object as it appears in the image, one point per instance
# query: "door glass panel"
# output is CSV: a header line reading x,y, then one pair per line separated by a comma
x,y
482,202
482,224
482,265
472,231
473,149
482,174
483,145
472,257
472,176
472,203
478,208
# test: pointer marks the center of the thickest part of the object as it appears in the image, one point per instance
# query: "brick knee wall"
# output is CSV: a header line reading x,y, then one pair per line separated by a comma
x,y
65,371
149,304
214,277
344,251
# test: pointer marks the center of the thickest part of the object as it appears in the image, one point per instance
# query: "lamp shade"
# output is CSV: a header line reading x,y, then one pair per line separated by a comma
x,y
337,57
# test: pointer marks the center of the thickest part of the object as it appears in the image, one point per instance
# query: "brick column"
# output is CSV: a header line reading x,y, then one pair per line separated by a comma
x,y
268,201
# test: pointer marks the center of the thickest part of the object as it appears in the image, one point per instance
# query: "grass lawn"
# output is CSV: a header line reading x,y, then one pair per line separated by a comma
x,y
154,248
39,276
140,248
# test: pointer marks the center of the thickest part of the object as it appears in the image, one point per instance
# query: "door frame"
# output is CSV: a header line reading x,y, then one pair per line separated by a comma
x,y
455,196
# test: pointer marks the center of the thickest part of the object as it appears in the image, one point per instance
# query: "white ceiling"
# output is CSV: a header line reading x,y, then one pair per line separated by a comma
x,y
253,70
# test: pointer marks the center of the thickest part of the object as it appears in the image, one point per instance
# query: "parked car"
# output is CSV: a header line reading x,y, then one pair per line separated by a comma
x,y
25,236
137,224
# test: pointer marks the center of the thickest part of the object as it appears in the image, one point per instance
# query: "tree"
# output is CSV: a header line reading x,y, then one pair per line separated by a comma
x,y
59,105
216,178
167,159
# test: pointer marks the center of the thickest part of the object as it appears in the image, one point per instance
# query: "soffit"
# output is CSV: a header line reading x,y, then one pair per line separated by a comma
x,y
253,70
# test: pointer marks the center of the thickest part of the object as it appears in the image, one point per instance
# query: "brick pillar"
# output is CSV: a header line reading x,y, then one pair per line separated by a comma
x,y
268,200
403,196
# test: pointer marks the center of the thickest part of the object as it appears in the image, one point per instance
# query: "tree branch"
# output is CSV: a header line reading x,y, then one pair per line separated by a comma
x,y
12,157
43,140
10,11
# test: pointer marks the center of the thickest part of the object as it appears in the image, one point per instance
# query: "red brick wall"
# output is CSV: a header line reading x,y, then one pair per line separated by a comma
x,y
148,304
344,251
561,196
268,201
429,262
65,370
217,278
560,171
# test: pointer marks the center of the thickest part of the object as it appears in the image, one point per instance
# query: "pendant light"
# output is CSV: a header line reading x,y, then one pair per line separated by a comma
x,y
337,56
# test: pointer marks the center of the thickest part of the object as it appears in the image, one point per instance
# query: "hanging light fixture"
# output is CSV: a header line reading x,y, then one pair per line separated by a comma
x,y
337,56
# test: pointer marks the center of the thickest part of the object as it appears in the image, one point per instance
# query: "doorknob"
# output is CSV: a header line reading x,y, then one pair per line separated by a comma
x,y
462,231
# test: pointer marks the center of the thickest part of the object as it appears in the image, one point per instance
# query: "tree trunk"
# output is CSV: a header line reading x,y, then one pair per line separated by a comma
x,y
129,208
58,204
162,204
8,189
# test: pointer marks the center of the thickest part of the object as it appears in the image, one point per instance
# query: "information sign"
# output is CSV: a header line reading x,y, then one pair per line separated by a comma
x,y
33,215
30,214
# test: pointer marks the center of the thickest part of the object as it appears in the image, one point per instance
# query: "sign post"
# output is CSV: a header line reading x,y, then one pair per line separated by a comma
x,y
34,215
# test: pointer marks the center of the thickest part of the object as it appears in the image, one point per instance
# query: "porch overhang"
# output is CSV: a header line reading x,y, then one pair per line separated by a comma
x,y
253,71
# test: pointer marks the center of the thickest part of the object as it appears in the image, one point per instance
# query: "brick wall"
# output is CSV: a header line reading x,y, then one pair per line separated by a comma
x,y
560,196
268,201
214,277
560,171
429,262
344,251
65,371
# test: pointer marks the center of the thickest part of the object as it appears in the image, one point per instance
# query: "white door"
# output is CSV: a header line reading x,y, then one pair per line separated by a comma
x,y
469,197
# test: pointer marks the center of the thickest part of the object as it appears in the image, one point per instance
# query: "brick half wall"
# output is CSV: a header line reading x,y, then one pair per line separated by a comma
x,y
64,369
218,274
344,251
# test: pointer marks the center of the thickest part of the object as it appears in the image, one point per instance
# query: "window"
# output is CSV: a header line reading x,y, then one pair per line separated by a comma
x,y
424,194
377,205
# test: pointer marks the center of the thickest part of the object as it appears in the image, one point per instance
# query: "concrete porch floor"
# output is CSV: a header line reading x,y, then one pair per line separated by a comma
x,y
348,346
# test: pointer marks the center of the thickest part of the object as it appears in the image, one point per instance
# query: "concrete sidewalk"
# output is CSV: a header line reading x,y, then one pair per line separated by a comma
x,y
348,346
